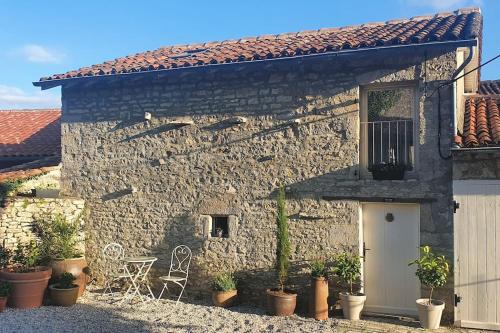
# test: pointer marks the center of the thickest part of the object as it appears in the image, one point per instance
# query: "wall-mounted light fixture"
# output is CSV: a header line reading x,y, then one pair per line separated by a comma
x,y
147,116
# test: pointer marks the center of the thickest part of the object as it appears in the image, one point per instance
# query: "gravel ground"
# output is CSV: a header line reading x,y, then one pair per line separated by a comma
x,y
93,315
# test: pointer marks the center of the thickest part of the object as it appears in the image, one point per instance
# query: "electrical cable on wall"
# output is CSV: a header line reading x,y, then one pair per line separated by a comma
x,y
438,90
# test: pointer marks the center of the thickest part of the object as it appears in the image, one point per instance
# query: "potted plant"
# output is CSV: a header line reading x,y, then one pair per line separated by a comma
x,y
28,279
318,302
64,292
348,268
388,171
224,293
4,294
432,271
281,301
59,241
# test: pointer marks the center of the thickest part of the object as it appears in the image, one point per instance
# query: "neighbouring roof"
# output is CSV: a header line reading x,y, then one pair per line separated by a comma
x,y
30,169
489,87
481,122
30,132
464,24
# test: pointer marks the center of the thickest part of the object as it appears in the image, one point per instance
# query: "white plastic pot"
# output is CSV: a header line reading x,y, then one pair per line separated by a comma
x,y
352,305
430,314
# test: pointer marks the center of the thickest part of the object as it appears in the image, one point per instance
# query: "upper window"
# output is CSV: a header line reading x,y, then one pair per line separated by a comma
x,y
387,127
220,226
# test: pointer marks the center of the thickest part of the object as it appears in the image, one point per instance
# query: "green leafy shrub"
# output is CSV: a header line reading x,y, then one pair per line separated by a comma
x,y
348,268
27,257
432,269
66,280
283,249
5,256
5,288
58,237
224,282
318,269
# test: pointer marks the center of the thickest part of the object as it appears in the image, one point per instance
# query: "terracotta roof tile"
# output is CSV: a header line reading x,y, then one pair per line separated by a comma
x,y
481,122
489,87
460,25
30,169
30,132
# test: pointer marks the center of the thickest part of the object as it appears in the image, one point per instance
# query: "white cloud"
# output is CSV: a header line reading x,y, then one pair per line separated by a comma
x,y
445,4
40,54
15,98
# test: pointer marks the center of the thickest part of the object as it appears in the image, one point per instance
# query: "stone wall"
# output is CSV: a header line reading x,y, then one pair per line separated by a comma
x,y
476,165
150,184
19,214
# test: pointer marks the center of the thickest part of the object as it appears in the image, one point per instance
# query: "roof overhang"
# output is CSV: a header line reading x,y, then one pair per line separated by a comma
x,y
48,84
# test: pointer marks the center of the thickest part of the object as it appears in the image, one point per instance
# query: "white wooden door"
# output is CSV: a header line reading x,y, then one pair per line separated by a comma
x,y
390,284
477,253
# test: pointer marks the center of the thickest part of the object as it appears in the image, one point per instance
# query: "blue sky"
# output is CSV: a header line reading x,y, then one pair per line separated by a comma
x,y
40,38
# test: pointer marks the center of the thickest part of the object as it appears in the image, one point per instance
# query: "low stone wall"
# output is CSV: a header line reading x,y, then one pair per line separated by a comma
x,y
19,214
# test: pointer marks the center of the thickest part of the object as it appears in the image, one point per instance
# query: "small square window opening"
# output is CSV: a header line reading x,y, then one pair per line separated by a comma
x,y
220,226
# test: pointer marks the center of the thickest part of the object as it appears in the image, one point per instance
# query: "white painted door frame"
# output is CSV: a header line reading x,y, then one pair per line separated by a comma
x,y
398,295
477,253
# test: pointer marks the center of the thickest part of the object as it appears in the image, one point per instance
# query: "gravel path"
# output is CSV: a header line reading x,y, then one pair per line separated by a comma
x,y
91,315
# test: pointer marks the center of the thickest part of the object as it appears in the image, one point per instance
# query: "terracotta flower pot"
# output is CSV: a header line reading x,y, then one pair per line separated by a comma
x,y
281,303
352,305
74,266
27,288
224,299
63,297
430,314
3,303
318,302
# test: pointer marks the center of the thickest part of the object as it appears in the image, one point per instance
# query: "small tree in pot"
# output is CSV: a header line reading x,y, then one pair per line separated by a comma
x,y
318,301
59,242
348,268
29,280
5,288
65,291
280,301
432,271
225,292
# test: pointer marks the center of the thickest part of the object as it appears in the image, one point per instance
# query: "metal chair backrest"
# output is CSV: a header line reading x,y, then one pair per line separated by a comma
x,y
179,261
113,254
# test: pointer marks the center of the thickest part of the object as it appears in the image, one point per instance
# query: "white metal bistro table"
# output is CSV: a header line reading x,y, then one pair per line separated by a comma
x,y
137,269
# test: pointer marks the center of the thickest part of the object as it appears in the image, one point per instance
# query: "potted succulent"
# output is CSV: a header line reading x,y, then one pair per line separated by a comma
x,y
28,279
318,302
59,241
65,291
4,294
347,267
281,301
432,271
224,293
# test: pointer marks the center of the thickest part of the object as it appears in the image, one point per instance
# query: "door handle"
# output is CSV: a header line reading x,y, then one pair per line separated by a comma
x,y
364,251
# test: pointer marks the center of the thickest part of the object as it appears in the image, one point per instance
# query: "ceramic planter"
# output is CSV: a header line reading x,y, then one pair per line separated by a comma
x,y
281,303
224,299
63,297
74,266
352,305
430,314
3,303
27,288
318,299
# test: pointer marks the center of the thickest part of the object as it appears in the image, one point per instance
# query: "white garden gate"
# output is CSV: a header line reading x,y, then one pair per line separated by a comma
x,y
477,253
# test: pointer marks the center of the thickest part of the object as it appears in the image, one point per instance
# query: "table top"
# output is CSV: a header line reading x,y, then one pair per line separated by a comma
x,y
139,259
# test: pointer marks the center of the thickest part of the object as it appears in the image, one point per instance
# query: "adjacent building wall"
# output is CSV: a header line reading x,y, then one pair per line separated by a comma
x,y
150,185
476,165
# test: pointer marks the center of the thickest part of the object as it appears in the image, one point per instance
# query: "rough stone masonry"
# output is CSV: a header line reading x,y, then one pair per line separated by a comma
x,y
152,185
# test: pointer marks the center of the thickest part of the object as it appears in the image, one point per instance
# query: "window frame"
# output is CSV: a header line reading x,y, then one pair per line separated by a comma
x,y
212,226
363,118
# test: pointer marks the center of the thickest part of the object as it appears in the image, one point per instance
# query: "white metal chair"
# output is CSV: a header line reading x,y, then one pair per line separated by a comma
x,y
179,270
113,266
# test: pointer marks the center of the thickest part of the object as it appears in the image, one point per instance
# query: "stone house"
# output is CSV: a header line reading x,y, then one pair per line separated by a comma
x,y
188,145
